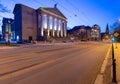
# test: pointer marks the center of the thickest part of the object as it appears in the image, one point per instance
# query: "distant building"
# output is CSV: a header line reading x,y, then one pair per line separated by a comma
x,y
96,32
85,33
38,24
107,36
8,29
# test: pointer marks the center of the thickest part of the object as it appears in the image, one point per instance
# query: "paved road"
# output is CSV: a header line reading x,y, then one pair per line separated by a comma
x,y
77,63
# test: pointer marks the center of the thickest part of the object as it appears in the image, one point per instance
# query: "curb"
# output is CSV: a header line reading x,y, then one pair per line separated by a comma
x,y
99,79
7,47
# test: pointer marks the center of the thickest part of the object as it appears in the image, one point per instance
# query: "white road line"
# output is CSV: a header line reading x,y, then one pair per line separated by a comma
x,y
99,79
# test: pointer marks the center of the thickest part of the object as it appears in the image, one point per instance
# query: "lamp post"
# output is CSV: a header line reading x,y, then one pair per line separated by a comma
x,y
9,26
114,80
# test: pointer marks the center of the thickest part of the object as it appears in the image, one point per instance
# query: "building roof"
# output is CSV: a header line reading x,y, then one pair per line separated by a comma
x,y
18,6
80,27
6,19
76,28
53,10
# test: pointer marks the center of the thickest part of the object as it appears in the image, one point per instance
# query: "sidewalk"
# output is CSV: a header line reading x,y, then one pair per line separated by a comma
x,y
6,47
117,57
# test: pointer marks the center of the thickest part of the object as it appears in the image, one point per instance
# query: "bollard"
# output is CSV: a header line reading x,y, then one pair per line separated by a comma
x,y
112,51
114,66
114,71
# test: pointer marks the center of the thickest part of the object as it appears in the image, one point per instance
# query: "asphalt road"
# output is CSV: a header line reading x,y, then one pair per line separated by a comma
x,y
73,63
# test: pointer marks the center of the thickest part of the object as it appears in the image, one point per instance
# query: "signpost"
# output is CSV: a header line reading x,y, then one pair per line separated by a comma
x,y
113,59
116,34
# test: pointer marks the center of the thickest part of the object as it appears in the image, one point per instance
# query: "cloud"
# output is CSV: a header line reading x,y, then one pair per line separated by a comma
x,y
4,9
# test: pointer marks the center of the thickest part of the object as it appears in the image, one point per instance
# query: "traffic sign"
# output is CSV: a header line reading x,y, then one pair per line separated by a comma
x,y
116,34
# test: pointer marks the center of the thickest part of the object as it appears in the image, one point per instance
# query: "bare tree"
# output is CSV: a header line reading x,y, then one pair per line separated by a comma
x,y
116,28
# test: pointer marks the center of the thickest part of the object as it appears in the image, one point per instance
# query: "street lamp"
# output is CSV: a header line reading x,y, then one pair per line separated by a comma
x,y
9,35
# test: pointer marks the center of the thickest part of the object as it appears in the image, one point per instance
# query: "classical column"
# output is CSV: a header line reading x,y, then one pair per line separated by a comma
x,y
64,28
40,25
53,29
48,26
57,28
42,29
61,30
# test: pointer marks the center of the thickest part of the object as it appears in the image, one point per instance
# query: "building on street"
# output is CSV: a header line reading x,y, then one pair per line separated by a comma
x,y
96,33
85,33
37,24
107,36
8,29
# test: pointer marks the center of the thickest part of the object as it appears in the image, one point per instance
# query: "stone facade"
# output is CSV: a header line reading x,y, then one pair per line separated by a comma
x,y
38,24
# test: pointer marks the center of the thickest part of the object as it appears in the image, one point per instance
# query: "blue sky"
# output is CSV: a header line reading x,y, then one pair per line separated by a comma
x,y
78,12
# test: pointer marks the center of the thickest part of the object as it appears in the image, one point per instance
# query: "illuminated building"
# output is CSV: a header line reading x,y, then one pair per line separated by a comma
x,y
38,24
86,33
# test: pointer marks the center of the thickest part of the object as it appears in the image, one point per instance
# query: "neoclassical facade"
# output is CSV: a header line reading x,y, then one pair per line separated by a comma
x,y
51,22
38,24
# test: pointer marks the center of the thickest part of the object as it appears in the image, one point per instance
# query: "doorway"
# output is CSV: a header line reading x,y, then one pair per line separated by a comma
x,y
30,38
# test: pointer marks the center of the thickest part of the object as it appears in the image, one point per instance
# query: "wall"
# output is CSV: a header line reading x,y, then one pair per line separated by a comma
x,y
29,24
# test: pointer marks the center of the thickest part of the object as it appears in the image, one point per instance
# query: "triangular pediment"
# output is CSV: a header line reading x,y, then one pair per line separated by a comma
x,y
54,10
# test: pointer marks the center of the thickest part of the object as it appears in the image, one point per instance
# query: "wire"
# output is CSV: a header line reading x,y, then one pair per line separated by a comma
x,y
71,14
74,15
78,11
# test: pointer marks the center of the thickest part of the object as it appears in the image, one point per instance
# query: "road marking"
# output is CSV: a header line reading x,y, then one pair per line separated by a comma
x,y
99,79
25,70
105,61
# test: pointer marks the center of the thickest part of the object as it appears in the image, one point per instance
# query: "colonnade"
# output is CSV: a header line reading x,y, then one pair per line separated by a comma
x,y
52,26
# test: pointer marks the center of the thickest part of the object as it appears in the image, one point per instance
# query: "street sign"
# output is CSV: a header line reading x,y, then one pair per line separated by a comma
x,y
116,34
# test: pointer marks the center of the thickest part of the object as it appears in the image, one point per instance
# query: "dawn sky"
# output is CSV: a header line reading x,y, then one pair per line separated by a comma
x,y
78,12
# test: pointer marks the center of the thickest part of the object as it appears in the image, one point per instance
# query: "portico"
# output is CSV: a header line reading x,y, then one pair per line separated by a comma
x,y
51,24
38,24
